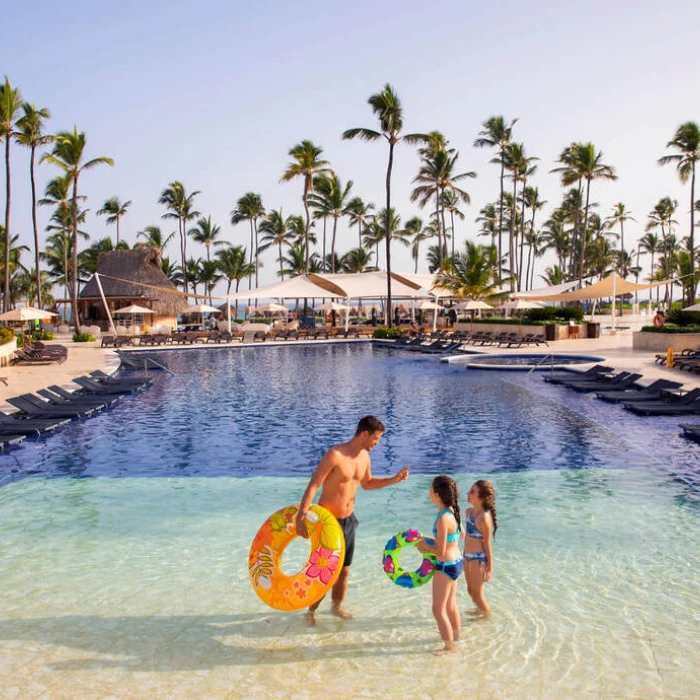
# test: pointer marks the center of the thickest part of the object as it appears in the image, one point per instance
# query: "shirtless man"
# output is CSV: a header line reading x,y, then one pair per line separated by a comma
x,y
339,473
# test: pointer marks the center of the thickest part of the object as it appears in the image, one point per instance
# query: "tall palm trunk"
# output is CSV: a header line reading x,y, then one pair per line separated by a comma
x,y
74,273
500,220
512,262
280,259
584,234
335,230
437,221
307,186
691,286
522,239
452,223
444,231
118,229
8,236
257,256
250,254
35,228
388,234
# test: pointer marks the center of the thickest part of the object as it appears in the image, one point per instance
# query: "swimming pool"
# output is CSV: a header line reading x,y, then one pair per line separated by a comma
x,y
121,583
524,361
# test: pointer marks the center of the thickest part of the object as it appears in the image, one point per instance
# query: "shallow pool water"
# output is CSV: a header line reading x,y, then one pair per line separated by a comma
x,y
136,587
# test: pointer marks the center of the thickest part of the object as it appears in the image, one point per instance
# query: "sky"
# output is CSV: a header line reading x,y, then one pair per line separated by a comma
x,y
214,94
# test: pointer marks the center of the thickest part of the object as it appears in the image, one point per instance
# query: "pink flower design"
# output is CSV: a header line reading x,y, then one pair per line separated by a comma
x,y
411,535
388,565
426,566
322,565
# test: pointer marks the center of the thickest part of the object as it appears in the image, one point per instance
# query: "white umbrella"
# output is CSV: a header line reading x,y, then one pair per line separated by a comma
x,y
426,305
519,305
333,306
202,309
27,313
134,309
270,308
473,305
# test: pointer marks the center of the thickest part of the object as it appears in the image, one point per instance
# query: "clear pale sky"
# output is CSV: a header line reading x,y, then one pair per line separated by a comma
x,y
215,94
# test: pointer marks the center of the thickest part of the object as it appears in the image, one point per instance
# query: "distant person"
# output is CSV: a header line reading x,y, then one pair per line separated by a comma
x,y
480,526
341,470
213,324
447,532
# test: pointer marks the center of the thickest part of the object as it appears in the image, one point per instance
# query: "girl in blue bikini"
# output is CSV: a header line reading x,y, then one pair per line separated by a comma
x,y
481,524
447,531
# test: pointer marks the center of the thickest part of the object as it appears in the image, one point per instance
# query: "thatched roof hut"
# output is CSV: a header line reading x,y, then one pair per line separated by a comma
x,y
131,277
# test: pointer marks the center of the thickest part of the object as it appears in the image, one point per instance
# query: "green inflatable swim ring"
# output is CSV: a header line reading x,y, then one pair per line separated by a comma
x,y
390,561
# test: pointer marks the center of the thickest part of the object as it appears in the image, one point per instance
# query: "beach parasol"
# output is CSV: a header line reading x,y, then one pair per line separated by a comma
x,y
520,305
134,310
473,305
270,308
333,306
27,313
202,309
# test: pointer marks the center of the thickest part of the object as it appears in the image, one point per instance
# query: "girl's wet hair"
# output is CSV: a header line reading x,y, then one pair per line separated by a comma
x,y
447,492
487,494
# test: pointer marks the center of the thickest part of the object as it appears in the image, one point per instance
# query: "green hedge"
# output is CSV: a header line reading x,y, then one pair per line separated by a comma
x,y
83,338
671,328
385,332
42,335
6,335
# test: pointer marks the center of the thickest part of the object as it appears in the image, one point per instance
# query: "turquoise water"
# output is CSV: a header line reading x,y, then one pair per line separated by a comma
x,y
136,587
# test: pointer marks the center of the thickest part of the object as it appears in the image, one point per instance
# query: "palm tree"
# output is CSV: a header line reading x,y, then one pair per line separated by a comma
x,y
250,208
473,274
417,233
233,267
180,206
114,210
436,177
488,218
68,153
332,198
496,133
686,140
296,259
661,217
356,260
153,238
192,270
387,106
306,164
24,287
531,200
554,275
581,162
10,102
87,260
209,276
618,216
450,201
359,213
30,134
556,237
276,230
206,233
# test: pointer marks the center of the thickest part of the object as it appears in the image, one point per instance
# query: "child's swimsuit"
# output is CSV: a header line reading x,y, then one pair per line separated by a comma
x,y
473,531
453,568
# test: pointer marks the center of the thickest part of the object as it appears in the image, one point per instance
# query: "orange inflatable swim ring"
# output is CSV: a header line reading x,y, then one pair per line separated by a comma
x,y
316,577
658,321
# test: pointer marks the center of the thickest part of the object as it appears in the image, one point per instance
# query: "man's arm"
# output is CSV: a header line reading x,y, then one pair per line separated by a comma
x,y
324,468
370,483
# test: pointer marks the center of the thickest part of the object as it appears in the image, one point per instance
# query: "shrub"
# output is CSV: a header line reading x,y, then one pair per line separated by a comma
x,y
385,332
83,338
6,335
671,328
42,335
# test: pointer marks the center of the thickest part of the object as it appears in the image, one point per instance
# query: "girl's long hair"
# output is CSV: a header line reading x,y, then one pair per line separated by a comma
x,y
447,492
487,494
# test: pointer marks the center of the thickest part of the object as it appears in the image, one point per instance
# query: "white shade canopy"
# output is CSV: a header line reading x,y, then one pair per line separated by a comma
x,y
694,307
27,313
134,309
473,305
202,309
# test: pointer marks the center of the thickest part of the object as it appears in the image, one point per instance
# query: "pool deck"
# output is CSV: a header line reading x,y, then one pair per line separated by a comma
x,y
616,349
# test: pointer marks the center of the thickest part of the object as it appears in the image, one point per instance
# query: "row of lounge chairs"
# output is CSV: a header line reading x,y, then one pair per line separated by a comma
x,y
443,342
38,353
661,397
55,407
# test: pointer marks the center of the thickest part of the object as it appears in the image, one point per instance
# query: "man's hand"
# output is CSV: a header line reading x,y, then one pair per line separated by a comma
x,y
401,475
300,525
